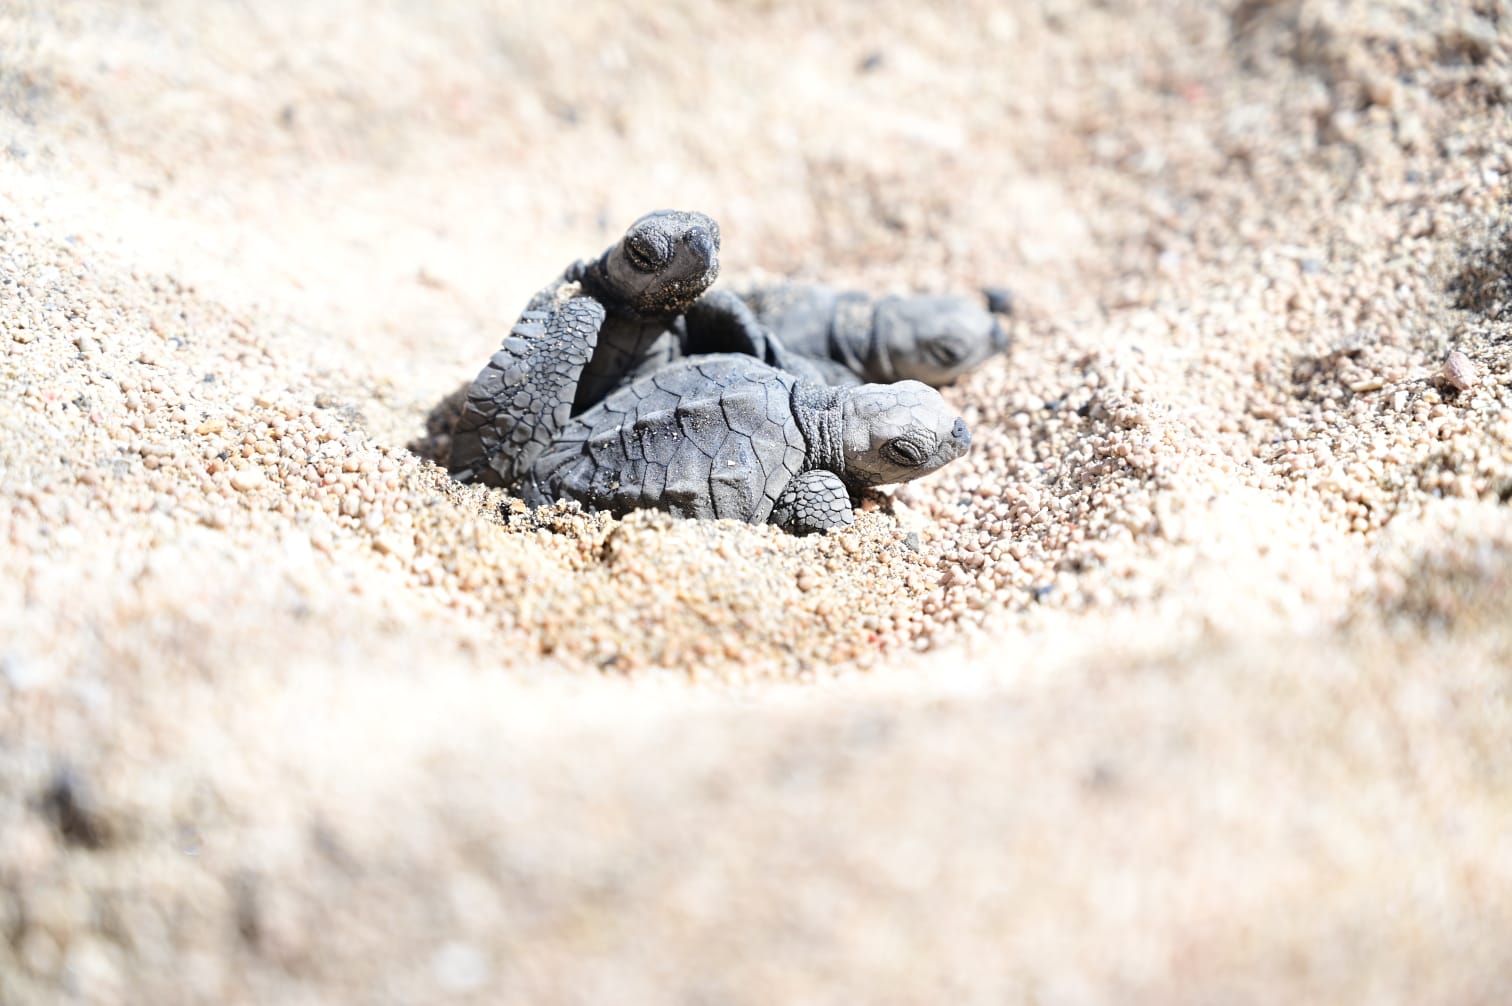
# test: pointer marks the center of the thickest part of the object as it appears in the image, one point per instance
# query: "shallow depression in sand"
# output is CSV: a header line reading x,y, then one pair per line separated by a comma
x,y
1139,701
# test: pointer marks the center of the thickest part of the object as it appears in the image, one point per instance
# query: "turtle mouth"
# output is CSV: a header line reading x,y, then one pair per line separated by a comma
x,y
675,296
709,258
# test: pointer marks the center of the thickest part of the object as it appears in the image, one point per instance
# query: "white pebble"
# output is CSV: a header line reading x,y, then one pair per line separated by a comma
x,y
247,479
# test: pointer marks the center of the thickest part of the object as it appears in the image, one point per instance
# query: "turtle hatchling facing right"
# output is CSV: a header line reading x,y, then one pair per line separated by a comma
x,y
727,436
846,337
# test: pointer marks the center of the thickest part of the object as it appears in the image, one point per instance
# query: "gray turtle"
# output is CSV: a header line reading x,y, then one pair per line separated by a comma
x,y
846,337
728,436
596,326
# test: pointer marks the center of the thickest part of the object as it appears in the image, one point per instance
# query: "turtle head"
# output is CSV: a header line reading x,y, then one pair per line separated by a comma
x,y
897,432
665,261
931,339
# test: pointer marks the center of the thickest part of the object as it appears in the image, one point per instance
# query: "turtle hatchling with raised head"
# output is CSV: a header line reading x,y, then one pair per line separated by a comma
x,y
847,337
597,325
728,436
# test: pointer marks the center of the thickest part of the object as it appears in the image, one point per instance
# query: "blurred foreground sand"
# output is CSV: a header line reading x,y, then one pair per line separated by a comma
x,y
1196,688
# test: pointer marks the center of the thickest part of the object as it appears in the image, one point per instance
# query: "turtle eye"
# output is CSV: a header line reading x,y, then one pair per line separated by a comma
x,y
648,250
903,452
946,352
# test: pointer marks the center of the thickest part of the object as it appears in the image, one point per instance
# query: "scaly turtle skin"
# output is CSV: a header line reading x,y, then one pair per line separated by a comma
x,y
728,436
845,337
598,324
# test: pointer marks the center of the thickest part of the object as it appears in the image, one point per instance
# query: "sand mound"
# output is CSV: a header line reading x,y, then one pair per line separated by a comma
x,y
1189,684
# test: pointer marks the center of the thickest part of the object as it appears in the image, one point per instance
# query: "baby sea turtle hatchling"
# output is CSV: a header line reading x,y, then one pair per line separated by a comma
x,y
850,337
598,324
728,436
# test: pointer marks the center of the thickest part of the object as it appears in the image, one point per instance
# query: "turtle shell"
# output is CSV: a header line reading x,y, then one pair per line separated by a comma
x,y
704,437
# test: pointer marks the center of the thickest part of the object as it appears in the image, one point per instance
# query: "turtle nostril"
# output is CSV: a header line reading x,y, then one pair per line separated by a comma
x,y
700,241
961,433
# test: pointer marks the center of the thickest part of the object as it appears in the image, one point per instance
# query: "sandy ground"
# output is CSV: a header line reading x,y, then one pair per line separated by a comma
x,y
1191,684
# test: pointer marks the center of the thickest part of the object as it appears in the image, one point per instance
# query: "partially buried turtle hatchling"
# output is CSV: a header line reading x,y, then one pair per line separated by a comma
x,y
847,337
728,436
596,326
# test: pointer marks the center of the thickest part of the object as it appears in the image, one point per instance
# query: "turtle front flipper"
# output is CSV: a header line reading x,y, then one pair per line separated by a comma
x,y
523,397
815,500
721,322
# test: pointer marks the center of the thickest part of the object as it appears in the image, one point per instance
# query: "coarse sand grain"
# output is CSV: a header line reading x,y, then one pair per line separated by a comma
x,y
1191,683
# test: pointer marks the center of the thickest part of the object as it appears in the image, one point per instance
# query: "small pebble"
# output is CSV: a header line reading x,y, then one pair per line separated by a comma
x,y
247,479
1459,372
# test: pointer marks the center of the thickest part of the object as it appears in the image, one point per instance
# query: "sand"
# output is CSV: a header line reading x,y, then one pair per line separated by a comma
x,y
1191,683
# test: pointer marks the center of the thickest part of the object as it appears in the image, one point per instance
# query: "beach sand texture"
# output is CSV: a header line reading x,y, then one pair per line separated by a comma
x,y
1192,683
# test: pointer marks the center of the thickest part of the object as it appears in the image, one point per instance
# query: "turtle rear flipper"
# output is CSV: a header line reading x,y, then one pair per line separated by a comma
x,y
523,397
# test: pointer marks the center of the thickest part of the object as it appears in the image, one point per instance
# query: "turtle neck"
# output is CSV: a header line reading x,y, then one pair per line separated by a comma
x,y
816,410
850,331
594,276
